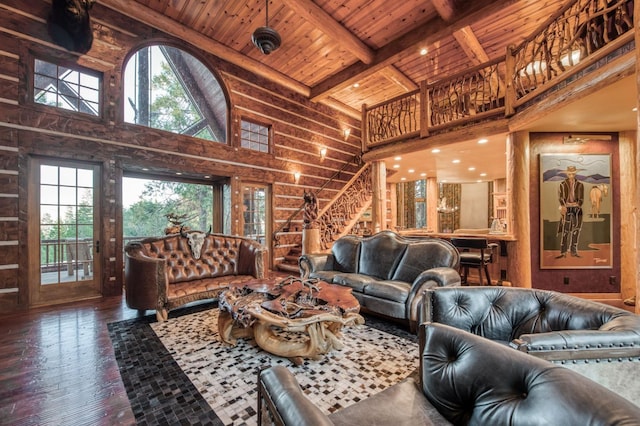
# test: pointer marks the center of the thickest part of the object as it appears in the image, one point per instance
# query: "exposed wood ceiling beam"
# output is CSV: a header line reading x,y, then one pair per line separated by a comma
x,y
394,74
404,46
315,15
159,21
470,45
448,9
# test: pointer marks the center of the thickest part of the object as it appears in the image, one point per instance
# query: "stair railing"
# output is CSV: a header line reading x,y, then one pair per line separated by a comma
x,y
357,159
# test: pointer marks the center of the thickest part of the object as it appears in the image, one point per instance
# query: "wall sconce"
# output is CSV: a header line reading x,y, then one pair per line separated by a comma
x,y
323,153
296,177
346,132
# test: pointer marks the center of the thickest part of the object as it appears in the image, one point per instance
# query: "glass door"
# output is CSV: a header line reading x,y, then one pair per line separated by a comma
x,y
67,201
255,212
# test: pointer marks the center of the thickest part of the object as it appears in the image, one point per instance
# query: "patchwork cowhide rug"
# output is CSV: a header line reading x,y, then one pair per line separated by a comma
x,y
178,371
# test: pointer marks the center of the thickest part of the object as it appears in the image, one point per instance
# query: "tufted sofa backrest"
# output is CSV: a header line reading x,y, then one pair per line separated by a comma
x,y
472,380
506,313
220,256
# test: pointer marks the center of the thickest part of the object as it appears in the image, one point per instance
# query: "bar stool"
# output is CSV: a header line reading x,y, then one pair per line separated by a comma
x,y
474,253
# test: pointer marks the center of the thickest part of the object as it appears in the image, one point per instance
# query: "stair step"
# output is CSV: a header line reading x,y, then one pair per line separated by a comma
x,y
289,267
289,258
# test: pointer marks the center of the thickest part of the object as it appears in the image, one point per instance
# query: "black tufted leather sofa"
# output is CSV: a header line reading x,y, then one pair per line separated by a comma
x,y
387,272
600,341
161,273
463,379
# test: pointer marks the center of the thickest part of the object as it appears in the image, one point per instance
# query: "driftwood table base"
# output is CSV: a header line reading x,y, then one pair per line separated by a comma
x,y
294,319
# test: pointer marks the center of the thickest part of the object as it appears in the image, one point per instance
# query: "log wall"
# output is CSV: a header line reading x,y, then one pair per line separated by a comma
x,y
300,127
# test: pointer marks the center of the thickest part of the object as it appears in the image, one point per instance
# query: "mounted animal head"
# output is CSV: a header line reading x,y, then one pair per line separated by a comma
x,y
196,240
70,25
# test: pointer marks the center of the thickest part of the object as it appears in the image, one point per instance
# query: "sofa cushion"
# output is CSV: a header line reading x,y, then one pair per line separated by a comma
x,y
423,255
401,404
388,308
398,291
355,281
346,252
380,255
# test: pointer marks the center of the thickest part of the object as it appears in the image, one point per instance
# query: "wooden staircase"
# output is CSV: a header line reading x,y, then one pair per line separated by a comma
x,y
290,262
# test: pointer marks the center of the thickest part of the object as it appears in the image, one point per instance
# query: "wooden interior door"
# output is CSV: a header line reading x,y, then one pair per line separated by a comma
x,y
64,231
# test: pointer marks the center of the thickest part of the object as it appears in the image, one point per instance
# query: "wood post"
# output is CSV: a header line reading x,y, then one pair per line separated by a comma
x,y
379,201
519,221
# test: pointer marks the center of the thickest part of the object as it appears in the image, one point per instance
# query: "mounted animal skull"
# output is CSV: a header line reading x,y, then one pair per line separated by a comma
x,y
196,240
70,24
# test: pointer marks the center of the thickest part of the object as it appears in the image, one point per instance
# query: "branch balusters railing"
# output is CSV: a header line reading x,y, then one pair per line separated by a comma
x,y
335,218
396,117
576,32
557,50
477,91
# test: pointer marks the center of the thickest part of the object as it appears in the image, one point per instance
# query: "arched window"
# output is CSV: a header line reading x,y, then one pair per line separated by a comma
x,y
166,88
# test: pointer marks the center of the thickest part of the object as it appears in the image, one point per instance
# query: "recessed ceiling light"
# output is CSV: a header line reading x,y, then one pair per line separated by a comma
x,y
145,169
423,51
411,170
435,150
178,173
634,109
483,140
396,166
471,169
356,85
444,181
403,178
456,161
483,174
423,174
479,181
398,158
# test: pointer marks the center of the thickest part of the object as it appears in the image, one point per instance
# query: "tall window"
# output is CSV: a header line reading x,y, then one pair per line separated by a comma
x,y
255,136
421,203
168,89
66,88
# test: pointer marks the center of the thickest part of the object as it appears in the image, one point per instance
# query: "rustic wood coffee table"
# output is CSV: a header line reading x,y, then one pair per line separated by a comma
x,y
292,318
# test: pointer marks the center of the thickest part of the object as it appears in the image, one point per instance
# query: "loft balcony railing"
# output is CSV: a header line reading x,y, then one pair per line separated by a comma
x,y
571,41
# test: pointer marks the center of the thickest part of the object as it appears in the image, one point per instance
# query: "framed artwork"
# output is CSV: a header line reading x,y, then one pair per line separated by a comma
x,y
575,211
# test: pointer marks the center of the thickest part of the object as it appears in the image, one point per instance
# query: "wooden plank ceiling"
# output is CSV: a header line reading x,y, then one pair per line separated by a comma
x,y
346,53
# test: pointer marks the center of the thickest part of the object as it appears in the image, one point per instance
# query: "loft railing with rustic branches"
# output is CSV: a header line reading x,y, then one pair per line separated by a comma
x,y
337,218
570,41
577,32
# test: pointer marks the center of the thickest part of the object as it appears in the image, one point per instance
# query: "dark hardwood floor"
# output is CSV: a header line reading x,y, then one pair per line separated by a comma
x,y
57,366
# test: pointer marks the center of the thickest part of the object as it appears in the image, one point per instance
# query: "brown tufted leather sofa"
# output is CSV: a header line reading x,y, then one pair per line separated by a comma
x,y
161,273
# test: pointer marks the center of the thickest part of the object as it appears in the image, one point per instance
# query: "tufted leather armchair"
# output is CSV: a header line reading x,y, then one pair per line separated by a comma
x,y
161,273
600,341
386,272
463,379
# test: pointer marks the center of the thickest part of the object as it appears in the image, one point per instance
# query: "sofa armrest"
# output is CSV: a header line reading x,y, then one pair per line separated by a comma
x,y
279,389
313,262
145,278
579,344
251,259
434,277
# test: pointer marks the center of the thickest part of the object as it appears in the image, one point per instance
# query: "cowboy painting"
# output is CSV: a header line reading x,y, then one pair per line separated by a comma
x,y
575,233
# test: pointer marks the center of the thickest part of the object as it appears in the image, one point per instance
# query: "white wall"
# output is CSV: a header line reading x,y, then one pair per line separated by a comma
x,y
474,205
